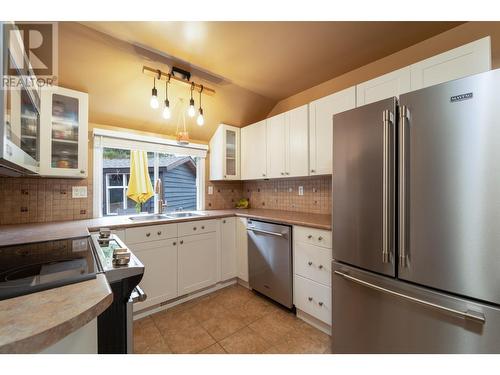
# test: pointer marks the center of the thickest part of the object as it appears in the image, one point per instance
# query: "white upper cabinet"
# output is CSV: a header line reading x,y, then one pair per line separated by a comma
x,y
275,132
297,142
391,84
253,151
321,113
471,58
225,153
63,133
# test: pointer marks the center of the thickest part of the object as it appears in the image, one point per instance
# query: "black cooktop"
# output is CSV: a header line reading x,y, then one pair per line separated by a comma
x,y
33,267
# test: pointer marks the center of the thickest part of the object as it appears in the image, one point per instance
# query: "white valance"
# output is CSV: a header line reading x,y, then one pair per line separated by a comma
x,y
125,140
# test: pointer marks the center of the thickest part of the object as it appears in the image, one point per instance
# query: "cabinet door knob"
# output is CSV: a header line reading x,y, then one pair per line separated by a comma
x,y
194,228
82,171
282,173
263,175
223,221
310,299
320,238
181,242
312,170
310,236
202,227
320,266
148,234
320,303
174,243
310,263
159,233
287,173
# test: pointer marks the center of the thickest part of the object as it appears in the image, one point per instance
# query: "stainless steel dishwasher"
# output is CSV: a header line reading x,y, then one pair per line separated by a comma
x,y
270,260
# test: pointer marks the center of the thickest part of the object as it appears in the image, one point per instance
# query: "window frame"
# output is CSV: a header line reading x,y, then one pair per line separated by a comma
x,y
120,140
124,187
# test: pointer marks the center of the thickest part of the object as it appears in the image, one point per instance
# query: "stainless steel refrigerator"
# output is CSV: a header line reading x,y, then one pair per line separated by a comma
x,y
416,221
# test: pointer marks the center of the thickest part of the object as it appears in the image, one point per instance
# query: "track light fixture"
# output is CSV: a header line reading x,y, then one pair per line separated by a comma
x,y
153,102
200,120
166,109
191,110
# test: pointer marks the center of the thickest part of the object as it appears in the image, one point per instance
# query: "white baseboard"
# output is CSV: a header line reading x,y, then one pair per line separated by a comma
x,y
316,323
187,297
243,283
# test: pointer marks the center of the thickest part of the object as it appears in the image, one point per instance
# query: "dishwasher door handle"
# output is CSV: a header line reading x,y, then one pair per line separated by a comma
x,y
266,232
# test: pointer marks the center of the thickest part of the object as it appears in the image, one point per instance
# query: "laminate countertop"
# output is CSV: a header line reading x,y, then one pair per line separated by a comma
x,y
33,322
25,233
62,310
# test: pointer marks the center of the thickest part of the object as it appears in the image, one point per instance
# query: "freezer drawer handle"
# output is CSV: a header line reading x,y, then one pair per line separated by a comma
x,y
469,314
266,232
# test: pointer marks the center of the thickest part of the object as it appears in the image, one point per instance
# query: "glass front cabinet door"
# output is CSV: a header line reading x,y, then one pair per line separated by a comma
x,y
225,153
64,138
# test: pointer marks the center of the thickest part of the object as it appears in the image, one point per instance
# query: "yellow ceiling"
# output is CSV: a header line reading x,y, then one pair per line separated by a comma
x,y
251,65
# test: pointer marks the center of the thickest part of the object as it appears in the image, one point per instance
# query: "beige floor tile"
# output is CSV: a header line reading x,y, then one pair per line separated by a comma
x,y
189,340
213,349
167,321
223,324
313,333
160,347
254,308
146,335
295,342
275,326
233,296
245,341
206,310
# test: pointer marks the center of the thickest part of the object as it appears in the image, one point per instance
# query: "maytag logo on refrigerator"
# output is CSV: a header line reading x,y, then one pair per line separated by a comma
x,y
461,97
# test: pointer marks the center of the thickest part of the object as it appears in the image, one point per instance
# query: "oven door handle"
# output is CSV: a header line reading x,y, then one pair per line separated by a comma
x,y
138,295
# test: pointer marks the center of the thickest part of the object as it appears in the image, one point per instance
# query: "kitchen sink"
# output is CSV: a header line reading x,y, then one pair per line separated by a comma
x,y
149,217
177,215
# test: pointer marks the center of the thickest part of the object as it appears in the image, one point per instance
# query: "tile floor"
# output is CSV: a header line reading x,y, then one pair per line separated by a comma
x,y
231,320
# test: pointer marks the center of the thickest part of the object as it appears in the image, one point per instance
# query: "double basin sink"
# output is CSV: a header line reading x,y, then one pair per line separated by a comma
x,y
170,215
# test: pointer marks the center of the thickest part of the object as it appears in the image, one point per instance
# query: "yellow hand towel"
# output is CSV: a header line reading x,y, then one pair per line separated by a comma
x,y
139,183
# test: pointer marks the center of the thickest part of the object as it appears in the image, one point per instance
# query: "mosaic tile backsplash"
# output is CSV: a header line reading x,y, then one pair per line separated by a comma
x,y
39,200
282,194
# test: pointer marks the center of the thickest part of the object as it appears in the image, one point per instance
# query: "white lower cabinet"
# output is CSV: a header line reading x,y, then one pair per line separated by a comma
x,y
229,262
242,248
313,298
197,262
160,275
312,259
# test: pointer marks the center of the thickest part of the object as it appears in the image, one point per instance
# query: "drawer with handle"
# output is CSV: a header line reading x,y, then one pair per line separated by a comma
x,y
197,227
150,233
318,237
313,298
313,262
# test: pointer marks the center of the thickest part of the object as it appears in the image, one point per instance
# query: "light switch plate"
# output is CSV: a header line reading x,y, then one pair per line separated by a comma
x,y
210,190
301,190
79,192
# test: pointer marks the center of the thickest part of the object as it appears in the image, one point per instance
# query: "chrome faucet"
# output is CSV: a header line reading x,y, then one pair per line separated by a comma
x,y
161,202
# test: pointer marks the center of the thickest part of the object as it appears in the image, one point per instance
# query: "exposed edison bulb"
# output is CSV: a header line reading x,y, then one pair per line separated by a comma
x,y
191,110
166,110
200,120
153,102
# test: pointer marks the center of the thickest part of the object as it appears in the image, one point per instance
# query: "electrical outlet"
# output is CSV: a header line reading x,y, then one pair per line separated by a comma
x,y
79,192
301,190
210,190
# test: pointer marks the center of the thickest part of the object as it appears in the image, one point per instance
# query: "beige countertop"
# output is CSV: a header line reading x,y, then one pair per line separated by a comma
x,y
25,233
33,322
63,310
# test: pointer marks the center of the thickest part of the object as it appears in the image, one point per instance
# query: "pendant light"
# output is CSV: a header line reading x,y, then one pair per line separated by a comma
x,y
182,135
153,102
166,110
200,120
191,110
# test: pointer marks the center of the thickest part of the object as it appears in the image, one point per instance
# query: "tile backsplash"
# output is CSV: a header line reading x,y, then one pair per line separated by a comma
x,y
281,194
38,200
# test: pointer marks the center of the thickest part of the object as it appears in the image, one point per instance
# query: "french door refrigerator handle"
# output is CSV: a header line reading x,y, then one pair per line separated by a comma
x,y
402,187
386,183
469,314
